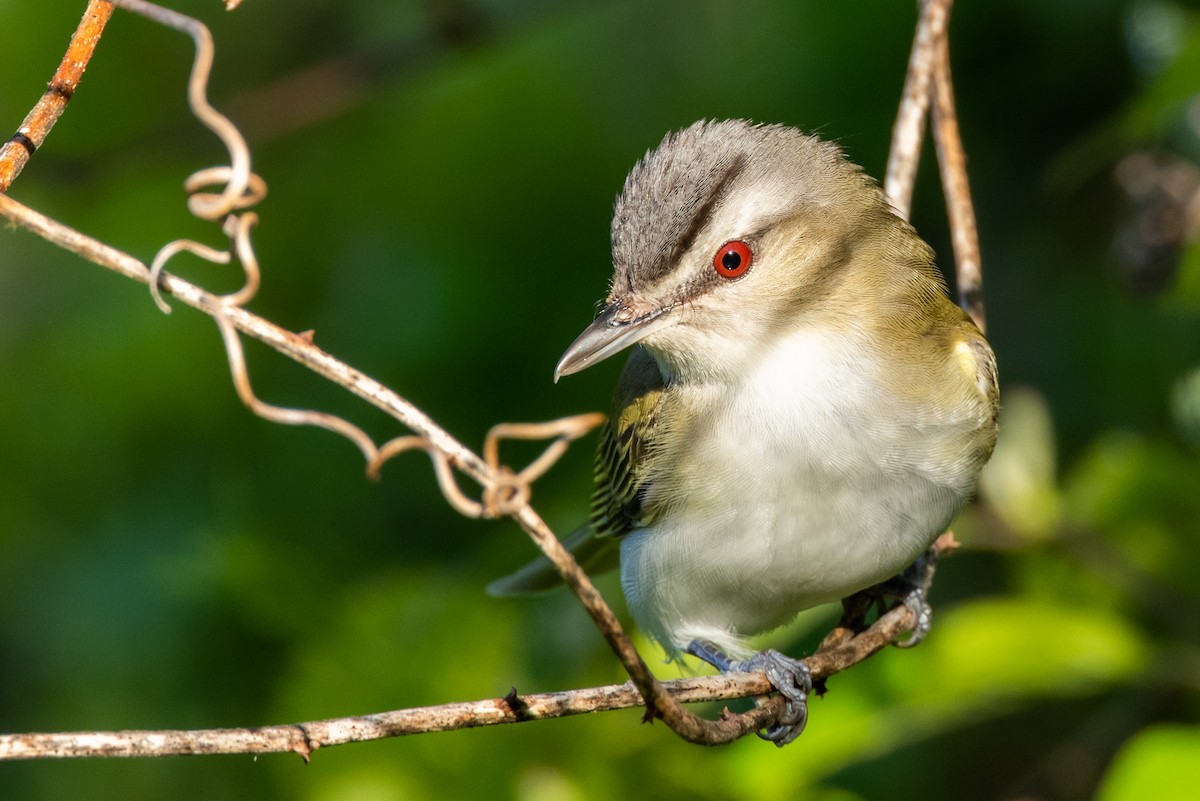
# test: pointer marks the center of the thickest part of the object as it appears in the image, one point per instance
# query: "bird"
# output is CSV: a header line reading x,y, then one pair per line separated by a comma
x,y
803,409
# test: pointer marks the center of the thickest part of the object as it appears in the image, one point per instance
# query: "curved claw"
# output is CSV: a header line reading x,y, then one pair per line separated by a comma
x,y
922,613
793,680
789,676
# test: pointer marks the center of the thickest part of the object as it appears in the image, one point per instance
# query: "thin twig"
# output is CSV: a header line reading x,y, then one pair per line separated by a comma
x,y
928,89
563,431
908,132
956,187
167,252
37,124
279,414
237,182
290,344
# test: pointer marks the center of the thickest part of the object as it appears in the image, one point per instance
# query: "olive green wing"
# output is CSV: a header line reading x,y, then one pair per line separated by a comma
x,y
625,449
620,482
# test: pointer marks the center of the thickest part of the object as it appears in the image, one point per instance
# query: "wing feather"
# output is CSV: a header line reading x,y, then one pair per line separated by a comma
x,y
620,476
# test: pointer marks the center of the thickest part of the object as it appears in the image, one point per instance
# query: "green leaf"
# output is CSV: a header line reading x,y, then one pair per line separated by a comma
x,y
1019,480
1160,762
994,651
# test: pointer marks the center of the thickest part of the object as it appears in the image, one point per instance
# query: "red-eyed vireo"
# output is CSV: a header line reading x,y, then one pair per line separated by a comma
x,y
804,409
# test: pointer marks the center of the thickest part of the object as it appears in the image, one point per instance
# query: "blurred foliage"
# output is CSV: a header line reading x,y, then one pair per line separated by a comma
x,y
441,175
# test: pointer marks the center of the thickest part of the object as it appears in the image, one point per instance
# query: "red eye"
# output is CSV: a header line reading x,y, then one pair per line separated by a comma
x,y
732,259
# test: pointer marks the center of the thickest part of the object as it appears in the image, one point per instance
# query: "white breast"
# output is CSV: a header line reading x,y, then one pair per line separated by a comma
x,y
801,485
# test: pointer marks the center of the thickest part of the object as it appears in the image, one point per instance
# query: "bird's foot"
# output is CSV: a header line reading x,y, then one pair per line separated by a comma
x,y
912,589
913,586
918,604
791,677
793,680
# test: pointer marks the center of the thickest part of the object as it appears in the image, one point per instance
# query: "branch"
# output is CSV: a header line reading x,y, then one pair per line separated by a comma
x,y
928,83
304,738
37,124
908,132
957,189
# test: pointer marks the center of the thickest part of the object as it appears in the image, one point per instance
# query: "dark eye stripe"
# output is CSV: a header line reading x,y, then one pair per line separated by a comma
x,y
705,211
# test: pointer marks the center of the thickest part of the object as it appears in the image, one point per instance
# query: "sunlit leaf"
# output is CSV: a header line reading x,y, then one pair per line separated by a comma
x,y
1161,762
1019,480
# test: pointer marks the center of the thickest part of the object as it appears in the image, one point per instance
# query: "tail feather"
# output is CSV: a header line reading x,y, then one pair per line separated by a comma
x,y
594,554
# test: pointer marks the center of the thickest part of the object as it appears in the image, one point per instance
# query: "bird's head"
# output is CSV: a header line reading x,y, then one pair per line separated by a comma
x,y
728,233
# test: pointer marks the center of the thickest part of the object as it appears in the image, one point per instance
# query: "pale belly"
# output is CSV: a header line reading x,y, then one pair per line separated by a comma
x,y
764,555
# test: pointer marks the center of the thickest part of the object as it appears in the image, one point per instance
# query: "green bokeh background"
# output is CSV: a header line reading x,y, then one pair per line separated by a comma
x,y
441,175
